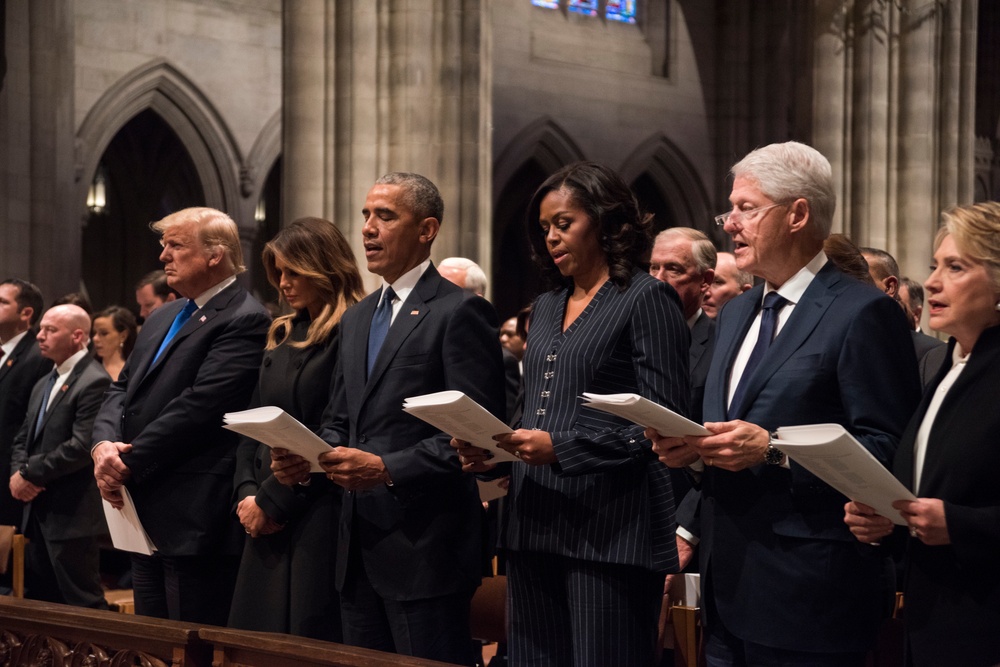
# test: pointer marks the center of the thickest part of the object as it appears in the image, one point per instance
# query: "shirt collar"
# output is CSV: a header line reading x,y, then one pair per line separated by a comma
x,y
406,282
207,295
796,286
694,318
9,346
65,367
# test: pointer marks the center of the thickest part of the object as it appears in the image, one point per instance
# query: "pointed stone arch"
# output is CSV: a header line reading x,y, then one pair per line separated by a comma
x,y
543,142
160,87
675,178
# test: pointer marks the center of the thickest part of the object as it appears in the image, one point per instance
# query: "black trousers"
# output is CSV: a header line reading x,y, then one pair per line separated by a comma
x,y
64,571
196,589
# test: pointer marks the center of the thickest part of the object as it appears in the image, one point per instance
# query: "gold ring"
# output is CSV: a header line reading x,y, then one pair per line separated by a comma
x,y
517,454
708,461
913,532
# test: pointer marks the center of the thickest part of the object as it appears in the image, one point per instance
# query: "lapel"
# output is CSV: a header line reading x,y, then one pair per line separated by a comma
x,y
63,390
800,325
738,314
699,340
198,320
412,312
20,349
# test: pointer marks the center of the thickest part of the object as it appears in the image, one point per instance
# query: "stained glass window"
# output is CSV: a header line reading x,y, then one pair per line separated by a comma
x,y
585,7
621,10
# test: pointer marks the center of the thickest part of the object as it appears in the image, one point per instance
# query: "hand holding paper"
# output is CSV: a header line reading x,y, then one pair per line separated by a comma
x,y
462,418
276,428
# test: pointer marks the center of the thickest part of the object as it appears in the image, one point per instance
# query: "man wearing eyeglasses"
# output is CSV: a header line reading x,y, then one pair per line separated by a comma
x,y
782,581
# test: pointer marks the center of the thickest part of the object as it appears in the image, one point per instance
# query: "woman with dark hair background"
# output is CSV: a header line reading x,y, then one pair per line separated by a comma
x,y
113,335
285,581
589,526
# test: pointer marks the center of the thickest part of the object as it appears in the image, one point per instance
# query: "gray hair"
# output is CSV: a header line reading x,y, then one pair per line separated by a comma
x,y
475,277
702,249
789,171
215,230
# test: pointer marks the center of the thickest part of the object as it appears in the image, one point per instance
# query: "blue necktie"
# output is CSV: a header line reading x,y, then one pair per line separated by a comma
x,y
773,303
179,321
380,326
51,382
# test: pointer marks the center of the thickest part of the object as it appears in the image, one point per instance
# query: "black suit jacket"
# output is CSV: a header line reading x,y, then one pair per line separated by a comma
x,y
182,460
953,591
57,456
778,564
922,344
19,371
421,537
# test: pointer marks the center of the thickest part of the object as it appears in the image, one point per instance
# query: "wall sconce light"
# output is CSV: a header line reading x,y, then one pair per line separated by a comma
x,y
97,194
260,213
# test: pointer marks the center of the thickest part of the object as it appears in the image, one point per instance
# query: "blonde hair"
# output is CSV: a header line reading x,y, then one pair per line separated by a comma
x,y
976,230
215,230
316,250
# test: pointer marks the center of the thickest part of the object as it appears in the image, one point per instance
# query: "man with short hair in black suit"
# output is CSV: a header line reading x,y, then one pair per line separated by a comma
x,y
159,432
409,550
21,365
50,467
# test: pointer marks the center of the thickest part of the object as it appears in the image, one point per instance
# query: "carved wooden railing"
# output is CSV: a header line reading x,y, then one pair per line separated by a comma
x,y
43,634
40,634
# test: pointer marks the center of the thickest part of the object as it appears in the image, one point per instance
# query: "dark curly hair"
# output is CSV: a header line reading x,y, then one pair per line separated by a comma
x,y
625,233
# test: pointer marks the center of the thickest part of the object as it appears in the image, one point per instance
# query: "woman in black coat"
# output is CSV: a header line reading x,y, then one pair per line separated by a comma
x,y
285,581
949,457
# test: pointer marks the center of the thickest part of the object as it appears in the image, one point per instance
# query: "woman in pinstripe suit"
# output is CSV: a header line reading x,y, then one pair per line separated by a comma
x,y
589,527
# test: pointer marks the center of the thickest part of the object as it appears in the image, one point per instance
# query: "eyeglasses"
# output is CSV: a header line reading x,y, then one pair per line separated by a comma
x,y
738,216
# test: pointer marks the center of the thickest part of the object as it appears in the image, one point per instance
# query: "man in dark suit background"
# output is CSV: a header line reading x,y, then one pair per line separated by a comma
x,y
50,467
409,549
160,431
21,365
782,582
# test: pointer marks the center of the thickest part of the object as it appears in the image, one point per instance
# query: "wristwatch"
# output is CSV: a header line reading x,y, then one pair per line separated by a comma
x,y
772,455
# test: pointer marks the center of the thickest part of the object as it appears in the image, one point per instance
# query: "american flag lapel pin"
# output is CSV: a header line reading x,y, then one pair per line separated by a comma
x,y
202,319
414,312
65,387
10,362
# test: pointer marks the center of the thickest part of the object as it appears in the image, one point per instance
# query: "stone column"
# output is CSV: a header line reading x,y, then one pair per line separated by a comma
x,y
55,221
373,86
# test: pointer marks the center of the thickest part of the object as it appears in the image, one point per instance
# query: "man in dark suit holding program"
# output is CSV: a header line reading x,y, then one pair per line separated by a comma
x,y
50,467
782,581
409,549
159,432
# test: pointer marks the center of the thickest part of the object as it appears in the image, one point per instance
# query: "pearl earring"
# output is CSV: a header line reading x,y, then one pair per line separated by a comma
x,y
997,307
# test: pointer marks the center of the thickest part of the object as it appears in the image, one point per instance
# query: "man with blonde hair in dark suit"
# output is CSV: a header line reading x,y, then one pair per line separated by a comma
x,y
159,432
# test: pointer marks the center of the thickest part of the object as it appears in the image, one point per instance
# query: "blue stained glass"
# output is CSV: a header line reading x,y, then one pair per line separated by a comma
x,y
585,7
621,10
547,4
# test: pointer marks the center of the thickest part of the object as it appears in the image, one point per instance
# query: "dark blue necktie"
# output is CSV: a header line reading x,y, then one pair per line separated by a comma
x,y
179,321
380,326
773,303
51,382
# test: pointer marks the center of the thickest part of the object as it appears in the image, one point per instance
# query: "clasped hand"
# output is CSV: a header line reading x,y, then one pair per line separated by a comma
x,y
110,471
733,445
924,516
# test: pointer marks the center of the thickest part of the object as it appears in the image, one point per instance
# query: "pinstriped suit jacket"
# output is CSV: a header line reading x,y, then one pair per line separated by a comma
x,y
607,499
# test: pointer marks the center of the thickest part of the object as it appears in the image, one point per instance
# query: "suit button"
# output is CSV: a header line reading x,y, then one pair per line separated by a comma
x,y
362,438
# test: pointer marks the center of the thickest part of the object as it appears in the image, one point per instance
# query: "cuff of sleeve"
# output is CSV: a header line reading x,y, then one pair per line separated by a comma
x,y
687,536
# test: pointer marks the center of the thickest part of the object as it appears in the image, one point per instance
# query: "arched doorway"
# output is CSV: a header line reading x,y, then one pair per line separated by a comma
x,y
268,219
516,278
147,174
